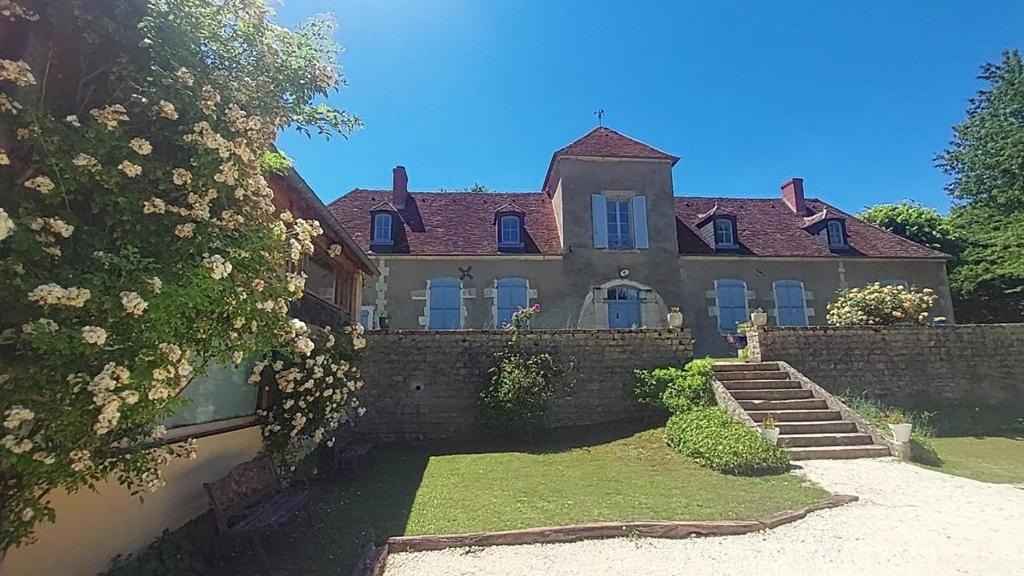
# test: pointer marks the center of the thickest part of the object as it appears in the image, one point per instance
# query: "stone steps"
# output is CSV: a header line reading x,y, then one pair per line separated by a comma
x,y
837,452
782,405
760,384
808,429
822,427
772,394
830,439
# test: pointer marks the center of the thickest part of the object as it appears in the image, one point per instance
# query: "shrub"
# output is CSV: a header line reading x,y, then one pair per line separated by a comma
x,y
651,384
922,449
691,390
514,403
711,437
875,305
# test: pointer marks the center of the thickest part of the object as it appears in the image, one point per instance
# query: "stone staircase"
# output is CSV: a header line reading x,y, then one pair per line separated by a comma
x,y
808,428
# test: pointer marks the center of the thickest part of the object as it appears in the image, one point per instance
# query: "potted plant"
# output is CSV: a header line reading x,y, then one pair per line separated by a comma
x,y
675,317
769,430
759,318
901,429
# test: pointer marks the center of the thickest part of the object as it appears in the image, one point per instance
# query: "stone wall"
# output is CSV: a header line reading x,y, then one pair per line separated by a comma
x,y
961,365
425,384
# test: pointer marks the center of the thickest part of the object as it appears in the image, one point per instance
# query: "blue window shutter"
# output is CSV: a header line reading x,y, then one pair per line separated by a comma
x,y
732,304
511,295
599,218
789,303
445,304
640,221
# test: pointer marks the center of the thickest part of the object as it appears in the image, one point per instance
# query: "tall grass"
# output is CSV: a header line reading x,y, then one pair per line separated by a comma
x,y
922,448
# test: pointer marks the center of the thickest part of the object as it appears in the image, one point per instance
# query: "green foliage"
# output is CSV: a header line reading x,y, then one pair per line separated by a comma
x,y
715,439
514,403
276,162
651,384
922,448
917,223
138,240
986,162
875,305
691,389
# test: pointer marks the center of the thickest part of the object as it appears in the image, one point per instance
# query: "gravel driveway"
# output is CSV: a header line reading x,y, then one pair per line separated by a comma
x,y
908,521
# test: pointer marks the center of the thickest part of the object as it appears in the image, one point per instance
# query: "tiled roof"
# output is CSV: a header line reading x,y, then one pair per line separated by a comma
x,y
767,227
451,222
604,142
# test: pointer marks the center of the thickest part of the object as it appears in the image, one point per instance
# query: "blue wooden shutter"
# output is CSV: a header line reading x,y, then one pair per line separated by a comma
x,y
640,221
732,304
599,216
789,303
445,304
511,297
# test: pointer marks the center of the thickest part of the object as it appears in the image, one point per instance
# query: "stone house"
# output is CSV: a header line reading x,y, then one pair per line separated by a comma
x,y
607,244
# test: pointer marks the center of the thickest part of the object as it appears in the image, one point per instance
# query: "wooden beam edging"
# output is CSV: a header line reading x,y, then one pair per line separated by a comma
x,y
374,559
901,451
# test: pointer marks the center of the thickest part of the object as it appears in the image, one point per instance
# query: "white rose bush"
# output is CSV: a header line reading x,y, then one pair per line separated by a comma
x,y
876,305
139,242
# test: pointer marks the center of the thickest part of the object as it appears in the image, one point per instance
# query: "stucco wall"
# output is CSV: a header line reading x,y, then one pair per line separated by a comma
x,y
563,285
93,527
916,367
426,384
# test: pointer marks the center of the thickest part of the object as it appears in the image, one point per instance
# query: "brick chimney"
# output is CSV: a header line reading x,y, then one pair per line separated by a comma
x,y
793,195
399,187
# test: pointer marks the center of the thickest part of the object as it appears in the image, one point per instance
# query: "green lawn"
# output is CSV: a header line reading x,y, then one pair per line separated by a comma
x,y
431,489
989,459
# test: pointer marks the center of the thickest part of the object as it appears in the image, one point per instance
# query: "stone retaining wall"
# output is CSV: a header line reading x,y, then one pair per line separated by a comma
x,y
911,366
425,384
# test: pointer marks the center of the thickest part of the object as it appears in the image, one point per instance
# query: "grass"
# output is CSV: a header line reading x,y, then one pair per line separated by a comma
x,y
989,459
613,475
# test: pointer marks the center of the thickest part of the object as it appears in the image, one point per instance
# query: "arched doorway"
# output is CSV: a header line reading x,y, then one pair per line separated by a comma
x,y
623,308
620,305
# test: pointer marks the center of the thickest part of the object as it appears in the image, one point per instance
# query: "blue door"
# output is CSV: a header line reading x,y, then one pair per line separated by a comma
x,y
511,297
789,303
623,308
445,304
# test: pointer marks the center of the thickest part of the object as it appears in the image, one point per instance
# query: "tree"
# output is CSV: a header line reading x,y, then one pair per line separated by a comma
x,y
986,162
138,240
916,223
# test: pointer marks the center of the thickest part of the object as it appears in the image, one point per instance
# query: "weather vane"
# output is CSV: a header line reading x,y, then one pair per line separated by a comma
x,y
600,117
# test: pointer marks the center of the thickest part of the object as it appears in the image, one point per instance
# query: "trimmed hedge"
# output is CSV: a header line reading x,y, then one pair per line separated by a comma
x,y
711,437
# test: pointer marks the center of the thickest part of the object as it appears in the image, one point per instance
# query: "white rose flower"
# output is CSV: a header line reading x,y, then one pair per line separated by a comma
x,y
94,335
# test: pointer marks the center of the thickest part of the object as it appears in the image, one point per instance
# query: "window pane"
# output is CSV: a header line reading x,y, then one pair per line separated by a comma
x,y
222,393
321,280
382,227
618,224
509,230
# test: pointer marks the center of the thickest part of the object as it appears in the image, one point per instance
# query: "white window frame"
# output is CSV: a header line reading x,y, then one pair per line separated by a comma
x,y
627,201
838,239
729,228
378,238
517,226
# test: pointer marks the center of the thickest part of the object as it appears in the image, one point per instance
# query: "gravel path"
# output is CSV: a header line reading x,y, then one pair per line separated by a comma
x,y
908,521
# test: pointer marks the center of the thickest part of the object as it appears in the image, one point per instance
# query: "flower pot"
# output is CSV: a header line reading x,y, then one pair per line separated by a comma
x,y
675,319
772,434
759,318
901,432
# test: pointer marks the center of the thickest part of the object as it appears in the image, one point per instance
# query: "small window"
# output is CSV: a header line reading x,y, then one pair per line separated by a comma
x,y
725,236
731,296
321,280
509,230
221,394
366,317
836,234
511,297
445,301
382,229
619,234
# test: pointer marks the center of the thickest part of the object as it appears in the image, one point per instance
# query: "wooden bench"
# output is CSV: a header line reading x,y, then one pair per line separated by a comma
x,y
251,499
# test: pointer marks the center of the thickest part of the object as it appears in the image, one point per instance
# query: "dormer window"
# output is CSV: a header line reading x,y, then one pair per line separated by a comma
x,y
383,229
510,231
836,234
725,234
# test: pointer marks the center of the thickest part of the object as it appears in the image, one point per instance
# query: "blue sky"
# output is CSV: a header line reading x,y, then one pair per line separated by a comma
x,y
855,97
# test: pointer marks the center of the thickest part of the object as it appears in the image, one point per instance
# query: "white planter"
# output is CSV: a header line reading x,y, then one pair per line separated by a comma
x,y
675,319
772,434
759,318
901,432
